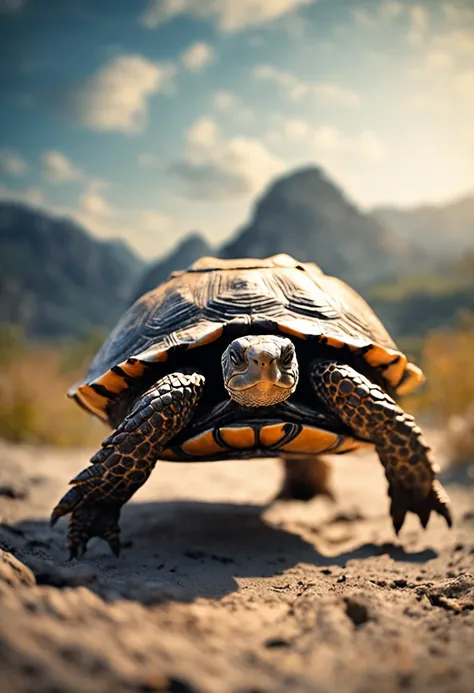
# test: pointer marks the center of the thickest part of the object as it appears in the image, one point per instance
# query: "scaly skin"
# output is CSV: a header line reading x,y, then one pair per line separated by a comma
x,y
126,460
373,415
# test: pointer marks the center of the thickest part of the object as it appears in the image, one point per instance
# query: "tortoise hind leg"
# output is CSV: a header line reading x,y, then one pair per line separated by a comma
x,y
306,476
126,460
373,415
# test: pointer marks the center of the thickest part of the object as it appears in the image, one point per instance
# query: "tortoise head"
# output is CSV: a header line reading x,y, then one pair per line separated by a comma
x,y
260,371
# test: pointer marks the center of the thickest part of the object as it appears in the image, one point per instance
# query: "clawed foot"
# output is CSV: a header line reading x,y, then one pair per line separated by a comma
x,y
88,519
405,500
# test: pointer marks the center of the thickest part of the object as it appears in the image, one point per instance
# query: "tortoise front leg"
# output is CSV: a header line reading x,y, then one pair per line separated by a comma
x,y
126,460
374,416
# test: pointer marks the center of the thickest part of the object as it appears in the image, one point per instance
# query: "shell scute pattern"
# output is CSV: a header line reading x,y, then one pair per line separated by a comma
x,y
192,308
235,294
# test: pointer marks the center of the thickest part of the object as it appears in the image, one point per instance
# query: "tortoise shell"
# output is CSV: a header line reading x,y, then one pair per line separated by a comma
x,y
217,298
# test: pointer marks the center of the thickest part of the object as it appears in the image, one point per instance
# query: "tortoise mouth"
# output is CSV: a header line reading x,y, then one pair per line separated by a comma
x,y
262,394
238,384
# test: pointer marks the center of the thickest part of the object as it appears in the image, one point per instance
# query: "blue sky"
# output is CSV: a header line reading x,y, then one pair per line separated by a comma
x,y
145,119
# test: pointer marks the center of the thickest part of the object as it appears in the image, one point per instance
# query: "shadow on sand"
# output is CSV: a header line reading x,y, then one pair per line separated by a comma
x,y
181,550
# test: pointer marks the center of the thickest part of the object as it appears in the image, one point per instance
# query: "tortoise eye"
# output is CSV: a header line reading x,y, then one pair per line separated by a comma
x,y
236,358
287,356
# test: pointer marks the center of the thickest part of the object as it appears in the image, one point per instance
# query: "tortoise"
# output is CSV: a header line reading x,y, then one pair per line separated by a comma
x,y
248,358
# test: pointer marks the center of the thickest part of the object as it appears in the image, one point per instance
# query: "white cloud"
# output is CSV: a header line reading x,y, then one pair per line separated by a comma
x,y
216,168
229,103
463,85
445,71
150,232
147,160
198,56
419,20
28,196
224,100
450,11
457,13
228,15
116,97
273,137
390,9
327,140
468,139
439,60
93,204
57,168
156,222
419,17
377,58
457,42
203,135
10,6
364,18
385,12
297,89
428,104
245,115
12,163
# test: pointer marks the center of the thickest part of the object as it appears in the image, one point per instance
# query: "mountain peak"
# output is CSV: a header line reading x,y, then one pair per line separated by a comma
x,y
193,243
184,254
308,216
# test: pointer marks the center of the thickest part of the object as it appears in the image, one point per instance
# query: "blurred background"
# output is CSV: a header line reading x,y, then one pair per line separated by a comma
x,y
136,137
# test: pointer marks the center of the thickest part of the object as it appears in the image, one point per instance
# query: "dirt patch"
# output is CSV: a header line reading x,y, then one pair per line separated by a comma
x,y
219,591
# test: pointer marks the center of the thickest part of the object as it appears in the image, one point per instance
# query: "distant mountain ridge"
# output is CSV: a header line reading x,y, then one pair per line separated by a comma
x,y
306,215
442,231
56,279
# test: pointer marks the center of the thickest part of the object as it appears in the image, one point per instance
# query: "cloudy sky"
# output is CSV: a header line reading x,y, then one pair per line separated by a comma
x,y
144,119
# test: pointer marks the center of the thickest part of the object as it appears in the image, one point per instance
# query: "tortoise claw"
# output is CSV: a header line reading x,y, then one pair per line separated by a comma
x,y
405,500
424,515
115,546
398,523
88,519
440,502
94,519
67,504
76,551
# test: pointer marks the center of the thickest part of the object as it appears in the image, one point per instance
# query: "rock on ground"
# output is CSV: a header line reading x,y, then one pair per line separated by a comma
x,y
218,591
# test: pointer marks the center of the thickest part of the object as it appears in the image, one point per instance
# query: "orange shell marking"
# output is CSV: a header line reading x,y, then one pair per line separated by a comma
x,y
271,435
202,445
241,438
312,439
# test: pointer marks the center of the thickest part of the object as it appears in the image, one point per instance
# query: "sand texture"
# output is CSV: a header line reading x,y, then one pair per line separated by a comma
x,y
219,591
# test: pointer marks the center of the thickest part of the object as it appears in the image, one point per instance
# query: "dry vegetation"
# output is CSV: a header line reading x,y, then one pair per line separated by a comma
x,y
34,379
447,358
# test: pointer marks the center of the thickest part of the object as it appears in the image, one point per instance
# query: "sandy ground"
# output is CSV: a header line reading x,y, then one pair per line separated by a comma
x,y
218,591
